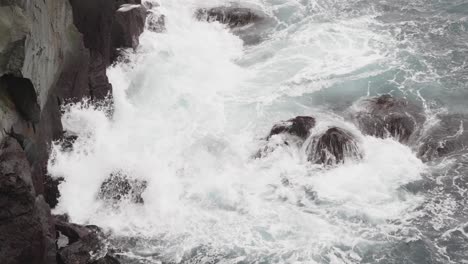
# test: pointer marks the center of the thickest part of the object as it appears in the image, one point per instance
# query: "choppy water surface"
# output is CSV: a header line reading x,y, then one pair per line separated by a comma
x,y
191,106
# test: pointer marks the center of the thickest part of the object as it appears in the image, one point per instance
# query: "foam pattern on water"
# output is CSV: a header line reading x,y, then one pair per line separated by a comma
x,y
190,107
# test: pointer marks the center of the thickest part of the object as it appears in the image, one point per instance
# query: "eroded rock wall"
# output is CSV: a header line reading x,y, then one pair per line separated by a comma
x,y
51,52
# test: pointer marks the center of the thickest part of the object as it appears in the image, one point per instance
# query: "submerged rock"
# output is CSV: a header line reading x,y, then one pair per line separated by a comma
x,y
334,146
387,116
447,137
119,186
156,22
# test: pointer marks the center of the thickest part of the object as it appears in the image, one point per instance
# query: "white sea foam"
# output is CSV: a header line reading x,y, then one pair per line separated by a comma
x,y
189,111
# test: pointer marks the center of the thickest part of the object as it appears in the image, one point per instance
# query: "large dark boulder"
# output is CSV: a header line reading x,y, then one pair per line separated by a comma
x,y
231,16
251,25
299,126
292,132
81,244
334,146
388,116
27,235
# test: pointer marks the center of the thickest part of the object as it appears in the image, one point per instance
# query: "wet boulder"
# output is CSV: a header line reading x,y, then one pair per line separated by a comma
x,y
119,187
231,16
251,25
388,116
445,138
299,126
293,132
334,146
78,244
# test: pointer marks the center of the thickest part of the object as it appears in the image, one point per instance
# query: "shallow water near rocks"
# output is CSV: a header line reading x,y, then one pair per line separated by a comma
x,y
192,106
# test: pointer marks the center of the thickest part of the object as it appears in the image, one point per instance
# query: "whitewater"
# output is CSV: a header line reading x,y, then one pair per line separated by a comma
x,y
192,105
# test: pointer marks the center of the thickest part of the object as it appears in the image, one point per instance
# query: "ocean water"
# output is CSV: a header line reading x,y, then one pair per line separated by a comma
x,y
192,105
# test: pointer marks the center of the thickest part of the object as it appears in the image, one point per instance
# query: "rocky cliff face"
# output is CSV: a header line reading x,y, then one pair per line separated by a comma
x,y
51,52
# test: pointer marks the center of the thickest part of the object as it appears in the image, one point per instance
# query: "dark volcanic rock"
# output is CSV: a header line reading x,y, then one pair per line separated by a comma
x,y
27,144
252,26
299,126
387,116
24,96
231,16
86,250
295,131
51,190
27,235
104,31
85,244
334,146
119,186
128,27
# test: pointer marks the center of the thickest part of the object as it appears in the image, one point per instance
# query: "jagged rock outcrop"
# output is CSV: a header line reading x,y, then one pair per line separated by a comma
x,y
82,245
25,224
128,25
388,116
334,146
51,52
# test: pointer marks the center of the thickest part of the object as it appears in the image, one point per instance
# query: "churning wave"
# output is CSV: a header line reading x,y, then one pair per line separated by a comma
x,y
193,105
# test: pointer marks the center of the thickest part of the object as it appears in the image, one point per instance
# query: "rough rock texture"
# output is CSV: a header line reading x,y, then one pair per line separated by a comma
x,y
387,116
27,233
105,31
156,22
231,16
51,52
292,132
119,186
22,93
334,146
128,26
251,25
85,244
299,126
